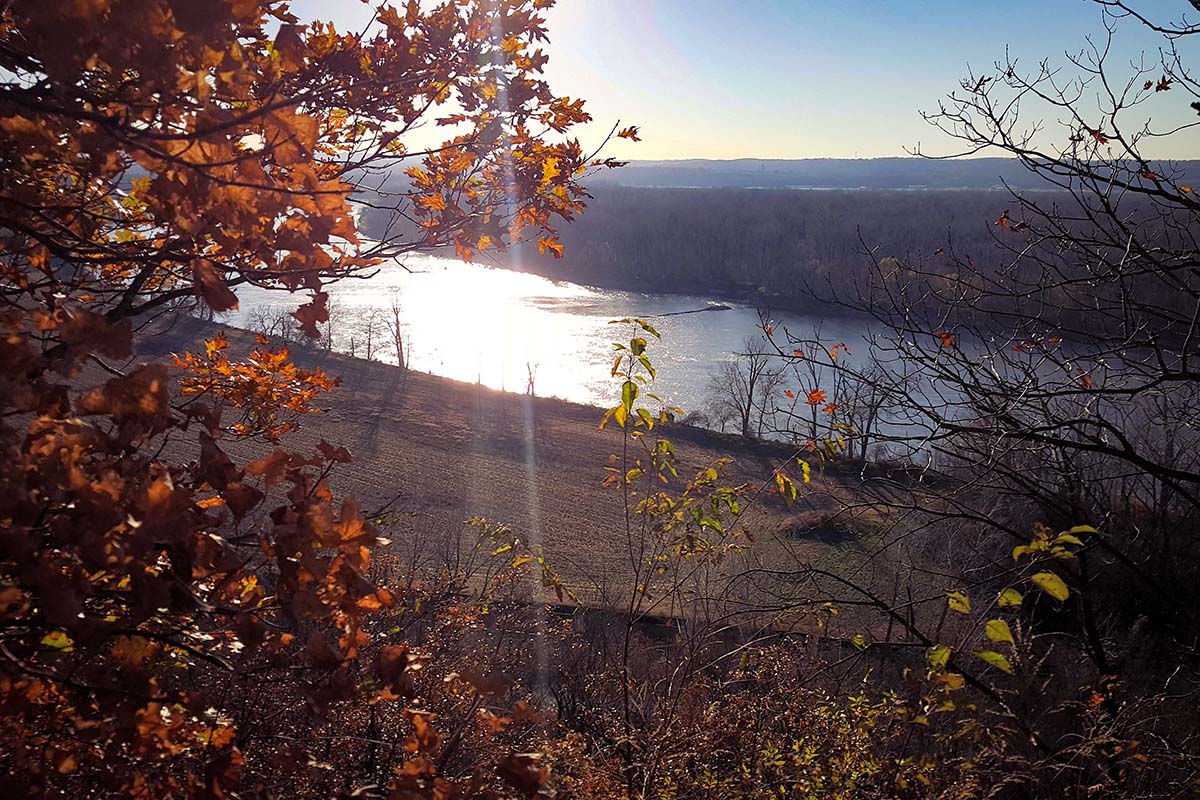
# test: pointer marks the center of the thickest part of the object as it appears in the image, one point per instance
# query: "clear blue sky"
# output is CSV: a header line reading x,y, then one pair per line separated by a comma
x,y
806,78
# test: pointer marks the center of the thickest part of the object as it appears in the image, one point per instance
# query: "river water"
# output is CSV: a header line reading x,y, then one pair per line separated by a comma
x,y
483,324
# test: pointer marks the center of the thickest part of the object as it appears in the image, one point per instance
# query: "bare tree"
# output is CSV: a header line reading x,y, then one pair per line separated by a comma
x,y
275,322
1058,400
397,331
371,329
845,403
742,390
531,372
331,327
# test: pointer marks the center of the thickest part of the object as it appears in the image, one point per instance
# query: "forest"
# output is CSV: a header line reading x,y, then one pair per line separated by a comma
x,y
908,172
234,564
772,247
763,245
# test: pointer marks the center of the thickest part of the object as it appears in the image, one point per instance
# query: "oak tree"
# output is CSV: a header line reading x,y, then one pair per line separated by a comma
x,y
155,156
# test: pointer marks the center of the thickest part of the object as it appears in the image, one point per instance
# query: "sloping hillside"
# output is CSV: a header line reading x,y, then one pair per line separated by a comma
x,y
435,452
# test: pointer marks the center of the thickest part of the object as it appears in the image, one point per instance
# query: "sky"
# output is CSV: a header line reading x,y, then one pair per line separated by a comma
x,y
808,78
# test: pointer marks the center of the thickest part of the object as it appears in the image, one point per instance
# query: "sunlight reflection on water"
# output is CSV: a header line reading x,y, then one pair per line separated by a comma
x,y
482,324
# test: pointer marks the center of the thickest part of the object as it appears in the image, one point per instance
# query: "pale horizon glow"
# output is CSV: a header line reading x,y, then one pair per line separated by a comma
x,y
775,79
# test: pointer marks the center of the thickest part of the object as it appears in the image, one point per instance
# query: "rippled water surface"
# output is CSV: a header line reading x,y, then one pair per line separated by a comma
x,y
477,323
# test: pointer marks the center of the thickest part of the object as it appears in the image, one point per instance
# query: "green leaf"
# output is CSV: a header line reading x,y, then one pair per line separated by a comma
x,y
646,418
648,328
1083,529
996,660
646,363
637,346
959,602
1052,585
633,474
1009,597
939,656
629,393
998,631
1067,538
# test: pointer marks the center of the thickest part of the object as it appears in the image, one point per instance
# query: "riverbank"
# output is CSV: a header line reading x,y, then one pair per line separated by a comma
x,y
724,293
435,452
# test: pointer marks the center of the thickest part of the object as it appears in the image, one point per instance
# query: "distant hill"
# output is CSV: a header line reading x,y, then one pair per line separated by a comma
x,y
838,173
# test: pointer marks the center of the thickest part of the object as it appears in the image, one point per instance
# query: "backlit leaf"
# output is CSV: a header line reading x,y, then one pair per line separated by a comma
x,y
59,640
629,393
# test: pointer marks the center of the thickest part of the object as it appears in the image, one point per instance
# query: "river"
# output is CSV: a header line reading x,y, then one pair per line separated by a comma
x,y
483,324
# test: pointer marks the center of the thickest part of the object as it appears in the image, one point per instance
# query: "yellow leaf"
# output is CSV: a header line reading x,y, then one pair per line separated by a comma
x,y
998,631
787,487
959,602
58,640
1009,597
939,656
1052,585
996,660
953,681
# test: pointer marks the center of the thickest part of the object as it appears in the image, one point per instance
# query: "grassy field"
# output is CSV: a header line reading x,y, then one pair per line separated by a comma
x,y
435,452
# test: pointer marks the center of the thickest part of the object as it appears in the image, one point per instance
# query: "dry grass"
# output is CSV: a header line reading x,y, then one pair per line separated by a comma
x,y
437,452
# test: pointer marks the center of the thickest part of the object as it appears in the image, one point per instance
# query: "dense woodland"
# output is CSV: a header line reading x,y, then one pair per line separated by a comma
x,y
806,249
771,246
845,173
194,602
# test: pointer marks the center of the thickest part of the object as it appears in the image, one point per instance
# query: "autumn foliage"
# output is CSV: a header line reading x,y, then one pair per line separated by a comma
x,y
190,607
156,155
